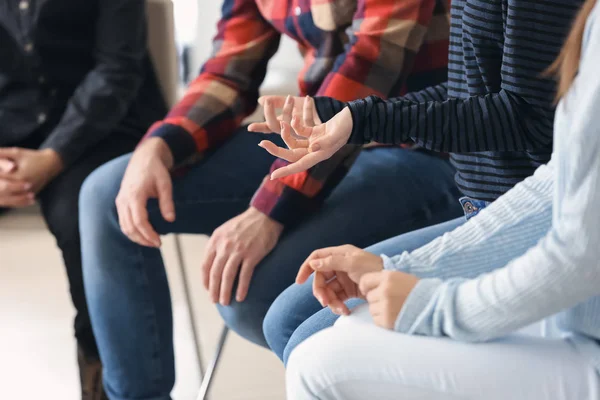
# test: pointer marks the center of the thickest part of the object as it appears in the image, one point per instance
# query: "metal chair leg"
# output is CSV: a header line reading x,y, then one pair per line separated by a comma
x,y
207,381
188,299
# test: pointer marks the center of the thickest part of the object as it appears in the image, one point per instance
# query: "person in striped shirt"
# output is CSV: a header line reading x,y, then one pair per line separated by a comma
x,y
453,310
494,115
351,49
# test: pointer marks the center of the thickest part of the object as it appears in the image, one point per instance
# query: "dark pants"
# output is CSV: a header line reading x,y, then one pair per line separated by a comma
x,y
59,203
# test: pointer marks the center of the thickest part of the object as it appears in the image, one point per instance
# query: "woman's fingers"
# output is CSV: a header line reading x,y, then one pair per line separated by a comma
x,y
303,164
290,155
271,117
302,129
308,112
287,110
350,288
277,101
261,127
292,141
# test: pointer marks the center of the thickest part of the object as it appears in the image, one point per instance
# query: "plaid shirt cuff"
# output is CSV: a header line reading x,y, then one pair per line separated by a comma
x,y
180,142
283,204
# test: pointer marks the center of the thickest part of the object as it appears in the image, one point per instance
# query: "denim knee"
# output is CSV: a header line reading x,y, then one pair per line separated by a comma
x,y
97,209
278,327
246,319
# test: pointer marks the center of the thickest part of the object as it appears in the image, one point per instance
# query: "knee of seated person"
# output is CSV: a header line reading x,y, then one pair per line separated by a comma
x,y
246,319
278,326
98,194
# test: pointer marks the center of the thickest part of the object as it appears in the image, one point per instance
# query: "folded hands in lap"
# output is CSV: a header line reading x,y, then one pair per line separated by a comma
x,y
24,173
345,272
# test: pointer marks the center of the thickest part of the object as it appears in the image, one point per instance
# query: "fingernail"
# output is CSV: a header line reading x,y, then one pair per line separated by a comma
x,y
31,196
338,310
28,186
170,215
316,264
315,147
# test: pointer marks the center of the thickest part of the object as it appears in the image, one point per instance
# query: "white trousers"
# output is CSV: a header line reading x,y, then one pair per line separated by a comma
x,y
356,360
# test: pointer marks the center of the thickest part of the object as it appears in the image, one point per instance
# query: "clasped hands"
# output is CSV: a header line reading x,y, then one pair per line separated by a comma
x,y
343,272
24,173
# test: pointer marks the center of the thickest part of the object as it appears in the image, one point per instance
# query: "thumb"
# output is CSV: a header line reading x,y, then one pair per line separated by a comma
x,y
369,282
164,187
333,262
7,166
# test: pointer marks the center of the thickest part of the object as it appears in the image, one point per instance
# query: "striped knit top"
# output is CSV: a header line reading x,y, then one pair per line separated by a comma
x,y
494,115
533,253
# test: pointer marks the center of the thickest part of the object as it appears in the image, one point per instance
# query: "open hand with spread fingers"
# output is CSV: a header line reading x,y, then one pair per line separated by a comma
x,y
309,140
337,273
386,292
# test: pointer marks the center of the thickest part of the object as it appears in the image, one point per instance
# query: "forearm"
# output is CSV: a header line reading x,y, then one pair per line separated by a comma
x,y
489,240
453,125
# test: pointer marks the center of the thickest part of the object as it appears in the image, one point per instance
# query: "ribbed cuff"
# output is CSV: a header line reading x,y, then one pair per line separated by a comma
x,y
417,302
399,264
359,134
180,142
327,107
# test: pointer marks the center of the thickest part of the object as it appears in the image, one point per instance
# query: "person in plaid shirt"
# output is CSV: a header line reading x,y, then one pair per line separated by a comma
x,y
261,229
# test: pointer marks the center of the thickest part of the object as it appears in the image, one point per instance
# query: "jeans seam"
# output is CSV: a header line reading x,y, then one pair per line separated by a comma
x,y
152,317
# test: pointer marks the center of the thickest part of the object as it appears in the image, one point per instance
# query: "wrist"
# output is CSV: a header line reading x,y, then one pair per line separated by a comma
x,y
275,225
53,161
159,148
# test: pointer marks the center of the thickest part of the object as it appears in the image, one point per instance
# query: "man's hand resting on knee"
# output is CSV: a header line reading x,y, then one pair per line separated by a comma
x,y
147,176
236,247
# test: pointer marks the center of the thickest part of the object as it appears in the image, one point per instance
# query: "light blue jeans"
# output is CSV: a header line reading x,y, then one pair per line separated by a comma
x,y
296,314
388,191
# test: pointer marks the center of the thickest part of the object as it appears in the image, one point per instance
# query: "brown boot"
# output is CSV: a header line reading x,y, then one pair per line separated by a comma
x,y
90,375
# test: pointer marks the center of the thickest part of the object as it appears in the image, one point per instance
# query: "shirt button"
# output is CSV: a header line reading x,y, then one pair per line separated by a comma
x,y
41,118
297,11
23,5
28,47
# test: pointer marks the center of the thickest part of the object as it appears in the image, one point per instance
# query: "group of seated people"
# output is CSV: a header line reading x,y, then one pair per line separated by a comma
x,y
448,140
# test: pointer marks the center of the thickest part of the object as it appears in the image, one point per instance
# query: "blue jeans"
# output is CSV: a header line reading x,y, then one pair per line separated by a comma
x,y
296,314
388,191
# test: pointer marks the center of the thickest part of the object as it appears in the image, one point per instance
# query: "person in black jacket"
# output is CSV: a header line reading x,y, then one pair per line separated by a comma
x,y
77,89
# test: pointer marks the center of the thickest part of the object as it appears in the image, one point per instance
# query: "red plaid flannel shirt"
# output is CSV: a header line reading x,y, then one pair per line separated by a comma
x,y
351,49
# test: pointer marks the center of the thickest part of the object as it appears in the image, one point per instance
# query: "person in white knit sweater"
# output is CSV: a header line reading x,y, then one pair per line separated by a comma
x,y
443,321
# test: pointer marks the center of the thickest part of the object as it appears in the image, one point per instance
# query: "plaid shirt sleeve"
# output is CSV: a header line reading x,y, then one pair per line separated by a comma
x,y
226,91
386,46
